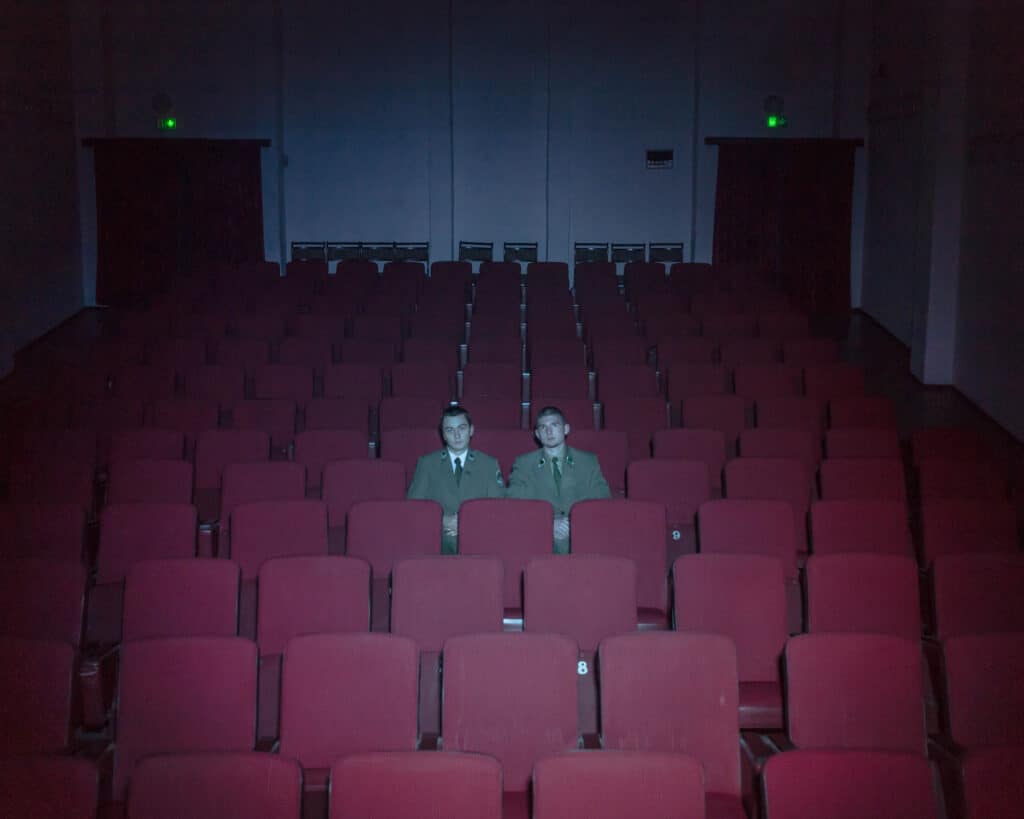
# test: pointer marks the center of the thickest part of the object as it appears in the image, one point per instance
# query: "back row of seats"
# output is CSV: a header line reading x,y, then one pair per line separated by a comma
x,y
675,693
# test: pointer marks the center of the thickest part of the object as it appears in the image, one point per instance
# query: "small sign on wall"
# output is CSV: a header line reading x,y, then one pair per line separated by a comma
x,y
660,159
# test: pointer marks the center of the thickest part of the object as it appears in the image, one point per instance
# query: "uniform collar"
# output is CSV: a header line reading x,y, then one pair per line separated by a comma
x,y
569,460
467,456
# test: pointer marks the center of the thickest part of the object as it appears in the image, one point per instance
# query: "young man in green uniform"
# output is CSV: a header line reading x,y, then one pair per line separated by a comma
x,y
455,474
557,473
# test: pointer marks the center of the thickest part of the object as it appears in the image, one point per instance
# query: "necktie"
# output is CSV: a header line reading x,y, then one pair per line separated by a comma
x,y
458,470
556,471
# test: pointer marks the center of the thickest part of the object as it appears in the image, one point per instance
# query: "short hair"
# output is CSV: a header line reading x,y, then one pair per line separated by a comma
x,y
454,411
549,410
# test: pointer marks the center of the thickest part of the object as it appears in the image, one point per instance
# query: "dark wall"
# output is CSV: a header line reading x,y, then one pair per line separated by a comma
x,y
990,332
443,120
40,261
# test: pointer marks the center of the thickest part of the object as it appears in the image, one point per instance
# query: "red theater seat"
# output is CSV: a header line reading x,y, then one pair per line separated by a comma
x,y
214,785
676,693
416,786
742,597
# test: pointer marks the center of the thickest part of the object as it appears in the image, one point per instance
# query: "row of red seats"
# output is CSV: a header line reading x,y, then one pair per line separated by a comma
x,y
588,597
668,692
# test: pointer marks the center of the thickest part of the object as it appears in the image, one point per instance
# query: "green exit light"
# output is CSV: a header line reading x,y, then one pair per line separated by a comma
x,y
167,123
775,121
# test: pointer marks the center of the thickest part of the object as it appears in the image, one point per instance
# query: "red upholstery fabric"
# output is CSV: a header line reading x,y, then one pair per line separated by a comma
x,y
726,413
725,325
956,526
513,530
383,531
782,479
349,481
212,785
315,448
291,377
219,447
865,593
940,477
51,480
707,445
181,598
558,382
863,442
424,379
863,479
408,412
354,380
247,353
492,380
860,526
434,598
50,530
347,693
274,416
131,444
960,443
504,444
993,782
610,784
585,597
36,677
762,527
677,693
48,787
831,381
416,786
144,381
978,593
802,444
338,413
131,532
254,482
806,352
681,485
785,325
639,418
188,416
311,595
149,481
742,597
862,412
612,450
407,445
847,784
765,380
267,529
183,694
223,383
626,528
512,696
618,381
855,691
984,698
792,412
675,351
42,599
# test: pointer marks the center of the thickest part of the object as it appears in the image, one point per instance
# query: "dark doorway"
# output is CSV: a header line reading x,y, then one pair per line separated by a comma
x,y
785,205
167,208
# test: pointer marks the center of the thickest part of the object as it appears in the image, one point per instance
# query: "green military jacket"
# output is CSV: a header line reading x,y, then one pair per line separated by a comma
x,y
434,480
533,478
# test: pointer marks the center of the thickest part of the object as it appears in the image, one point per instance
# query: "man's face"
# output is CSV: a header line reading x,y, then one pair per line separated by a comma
x,y
551,431
457,431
